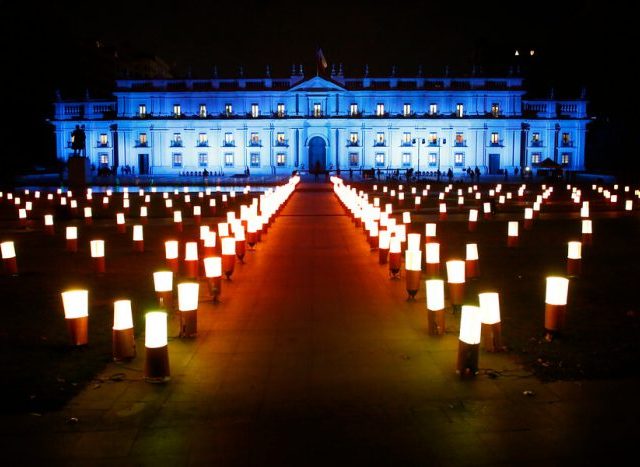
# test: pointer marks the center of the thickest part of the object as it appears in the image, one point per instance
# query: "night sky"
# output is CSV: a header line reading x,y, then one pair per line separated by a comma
x,y
75,47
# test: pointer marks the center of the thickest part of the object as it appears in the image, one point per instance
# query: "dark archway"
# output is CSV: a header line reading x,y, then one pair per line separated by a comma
x,y
317,155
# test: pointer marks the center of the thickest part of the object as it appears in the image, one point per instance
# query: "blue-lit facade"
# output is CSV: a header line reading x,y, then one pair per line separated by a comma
x,y
274,126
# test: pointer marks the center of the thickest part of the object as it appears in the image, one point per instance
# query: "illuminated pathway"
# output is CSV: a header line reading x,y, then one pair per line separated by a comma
x,y
314,357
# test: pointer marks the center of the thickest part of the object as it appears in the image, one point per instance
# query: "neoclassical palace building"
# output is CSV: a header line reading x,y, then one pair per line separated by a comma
x,y
273,126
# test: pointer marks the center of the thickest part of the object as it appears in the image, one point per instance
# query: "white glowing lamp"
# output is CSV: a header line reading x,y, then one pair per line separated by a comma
x,y
587,226
455,272
435,294
191,251
8,250
628,205
177,216
574,250
48,219
228,245
384,239
473,215
430,229
472,251
223,229
204,231
210,240
71,233
512,230
97,248
155,329
489,307
122,315
171,249
22,213
163,281
470,325
395,245
197,211
528,213
188,296
231,217
143,211
75,303
433,253
125,203
442,208
168,203
406,217
74,204
120,218
213,266
105,200
557,290
413,242
138,233
187,199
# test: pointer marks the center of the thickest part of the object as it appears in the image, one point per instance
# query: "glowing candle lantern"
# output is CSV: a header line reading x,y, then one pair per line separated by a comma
x,y
413,267
163,286
486,210
401,199
88,216
490,319
587,232
430,232
469,341
384,242
512,234
120,222
191,259
209,243
252,232
241,243
213,273
628,205
49,227
76,313
74,206
212,207
574,259
528,218
395,256
156,364
417,202
555,306
9,261
584,210
171,254
138,238
456,279
126,205
406,218
197,214
228,255
224,199
177,220
472,269
473,220
143,214
123,341
442,211
435,306
71,235
187,199
223,229
413,242
188,307
22,217
372,234
97,255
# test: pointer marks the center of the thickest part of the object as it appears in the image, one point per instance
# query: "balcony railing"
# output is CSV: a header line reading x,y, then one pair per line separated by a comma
x,y
379,143
433,142
255,142
229,144
142,144
406,144
536,143
100,144
176,144
460,143
353,143
566,144
202,144
497,143
282,142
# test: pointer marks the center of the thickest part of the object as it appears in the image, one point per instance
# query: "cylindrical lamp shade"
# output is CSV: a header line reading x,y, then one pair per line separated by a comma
x,y
469,341
138,238
120,222
413,242
435,306
188,306
163,281
574,259
9,257
471,261
456,279
123,342
71,235
433,259
557,289
156,368
512,234
490,318
228,255
97,253
587,232
171,248
430,231
413,266
76,313
395,256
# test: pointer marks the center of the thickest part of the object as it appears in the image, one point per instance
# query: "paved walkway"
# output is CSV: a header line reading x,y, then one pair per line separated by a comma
x,y
314,357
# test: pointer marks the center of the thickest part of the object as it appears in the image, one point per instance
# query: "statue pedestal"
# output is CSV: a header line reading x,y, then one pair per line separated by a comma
x,y
79,171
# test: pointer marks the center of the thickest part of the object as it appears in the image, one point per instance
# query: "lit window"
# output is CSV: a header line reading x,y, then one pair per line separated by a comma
x,y
495,109
432,159
202,111
281,159
535,158
254,159
566,139
565,158
255,139
280,139
228,139
177,110
459,110
142,139
406,110
104,140
281,110
380,110
176,159
228,110
495,138
353,110
406,139
203,159
380,138
379,159
228,159
142,110
458,159
353,138
535,139
255,110
459,139
406,159
433,139
202,139
433,109
177,140
317,110
354,159
103,159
